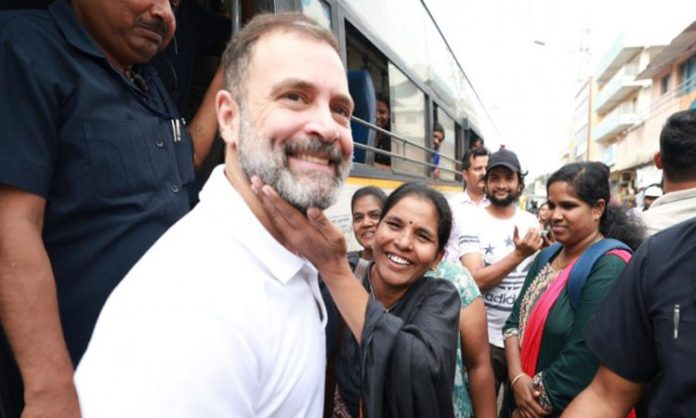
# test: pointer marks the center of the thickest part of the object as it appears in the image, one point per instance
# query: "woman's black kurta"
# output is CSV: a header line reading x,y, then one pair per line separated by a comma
x,y
405,365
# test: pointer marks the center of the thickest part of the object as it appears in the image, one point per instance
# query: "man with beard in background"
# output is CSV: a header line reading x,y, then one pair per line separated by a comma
x,y
221,317
496,244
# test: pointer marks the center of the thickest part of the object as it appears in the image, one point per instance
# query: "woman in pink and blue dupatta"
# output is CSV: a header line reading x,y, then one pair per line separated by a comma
x,y
548,360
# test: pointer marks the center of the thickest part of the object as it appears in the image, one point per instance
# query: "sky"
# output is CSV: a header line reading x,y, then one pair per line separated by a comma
x,y
525,59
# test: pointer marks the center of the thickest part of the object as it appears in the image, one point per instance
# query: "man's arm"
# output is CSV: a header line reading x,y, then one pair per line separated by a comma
x,y
203,126
491,276
29,308
488,277
473,334
609,395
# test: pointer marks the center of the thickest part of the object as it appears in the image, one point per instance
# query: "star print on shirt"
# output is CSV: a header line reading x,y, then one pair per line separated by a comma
x,y
489,249
509,242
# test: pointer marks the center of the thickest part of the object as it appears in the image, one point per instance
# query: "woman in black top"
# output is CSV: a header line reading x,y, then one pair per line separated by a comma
x,y
398,354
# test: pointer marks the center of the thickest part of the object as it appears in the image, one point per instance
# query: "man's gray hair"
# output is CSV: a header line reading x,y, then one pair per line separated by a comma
x,y
237,55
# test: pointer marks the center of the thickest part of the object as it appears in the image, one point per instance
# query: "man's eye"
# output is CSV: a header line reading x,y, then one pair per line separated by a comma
x,y
341,111
295,97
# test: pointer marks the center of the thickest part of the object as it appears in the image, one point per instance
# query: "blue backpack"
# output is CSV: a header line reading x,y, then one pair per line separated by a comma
x,y
581,269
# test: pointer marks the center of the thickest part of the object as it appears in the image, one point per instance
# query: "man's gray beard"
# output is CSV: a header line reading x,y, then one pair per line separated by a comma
x,y
258,158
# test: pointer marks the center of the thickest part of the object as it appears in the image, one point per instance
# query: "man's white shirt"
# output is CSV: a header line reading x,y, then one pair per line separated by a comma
x,y
669,209
216,320
492,238
460,204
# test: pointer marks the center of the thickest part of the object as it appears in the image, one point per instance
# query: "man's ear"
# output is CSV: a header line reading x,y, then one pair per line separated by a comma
x,y
658,160
228,117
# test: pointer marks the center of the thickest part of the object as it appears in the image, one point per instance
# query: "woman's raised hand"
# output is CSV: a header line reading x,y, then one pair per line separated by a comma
x,y
309,235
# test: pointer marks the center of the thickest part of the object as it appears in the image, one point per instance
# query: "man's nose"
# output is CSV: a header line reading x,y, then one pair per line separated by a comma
x,y
323,125
162,9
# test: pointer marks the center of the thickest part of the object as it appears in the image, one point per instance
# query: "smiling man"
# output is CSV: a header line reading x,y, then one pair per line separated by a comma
x,y
496,244
221,318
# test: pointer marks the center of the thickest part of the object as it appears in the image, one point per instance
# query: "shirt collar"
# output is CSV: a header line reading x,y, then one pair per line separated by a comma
x,y
675,196
236,218
483,203
73,30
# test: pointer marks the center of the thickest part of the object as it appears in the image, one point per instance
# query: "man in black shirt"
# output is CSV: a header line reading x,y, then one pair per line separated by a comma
x,y
645,331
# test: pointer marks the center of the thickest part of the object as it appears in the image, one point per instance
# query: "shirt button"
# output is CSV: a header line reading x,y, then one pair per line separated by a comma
x,y
174,188
159,143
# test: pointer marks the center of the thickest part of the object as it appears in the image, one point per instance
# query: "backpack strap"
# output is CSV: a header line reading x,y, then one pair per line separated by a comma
x,y
581,269
547,254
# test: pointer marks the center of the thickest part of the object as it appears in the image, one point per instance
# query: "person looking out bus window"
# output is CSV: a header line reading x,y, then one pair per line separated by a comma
x,y
96,165
438,137
223,317
398,356
383,141
548,360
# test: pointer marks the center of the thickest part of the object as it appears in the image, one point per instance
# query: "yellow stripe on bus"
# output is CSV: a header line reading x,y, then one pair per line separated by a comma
x,y
393,184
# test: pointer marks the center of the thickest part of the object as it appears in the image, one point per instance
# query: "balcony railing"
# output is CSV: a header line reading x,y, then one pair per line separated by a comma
x,y
614,123
621,85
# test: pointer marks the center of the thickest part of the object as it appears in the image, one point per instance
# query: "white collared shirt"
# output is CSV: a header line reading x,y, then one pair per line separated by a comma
x,y
218,319
460,205
669,209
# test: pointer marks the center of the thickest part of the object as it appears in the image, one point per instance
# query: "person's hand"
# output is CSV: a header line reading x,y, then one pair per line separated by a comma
x,y
311,236
527,399
529,244
58,403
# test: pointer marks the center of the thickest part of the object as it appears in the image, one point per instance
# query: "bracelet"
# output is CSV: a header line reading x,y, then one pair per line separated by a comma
x,y
518,377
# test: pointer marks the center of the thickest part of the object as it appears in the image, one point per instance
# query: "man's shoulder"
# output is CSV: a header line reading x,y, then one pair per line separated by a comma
x,y
33,37
27,26
469,216
682,234
669,209
459,199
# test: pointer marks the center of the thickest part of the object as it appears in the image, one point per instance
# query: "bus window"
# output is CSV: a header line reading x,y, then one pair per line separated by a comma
x,y
408,115
319,10
364,61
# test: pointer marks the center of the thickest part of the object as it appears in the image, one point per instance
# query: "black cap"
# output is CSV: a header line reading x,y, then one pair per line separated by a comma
x,y
506,158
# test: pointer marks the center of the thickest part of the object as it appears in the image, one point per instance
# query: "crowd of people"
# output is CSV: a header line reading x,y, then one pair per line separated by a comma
x,y
117,299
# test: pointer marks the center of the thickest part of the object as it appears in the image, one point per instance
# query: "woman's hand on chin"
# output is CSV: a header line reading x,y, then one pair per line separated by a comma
x,y
309,235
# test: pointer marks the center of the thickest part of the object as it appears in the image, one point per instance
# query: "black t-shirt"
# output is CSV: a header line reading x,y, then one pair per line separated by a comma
x,y
645,330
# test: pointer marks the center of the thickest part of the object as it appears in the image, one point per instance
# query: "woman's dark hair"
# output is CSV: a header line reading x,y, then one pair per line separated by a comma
x,y
368,191
444,224
590,181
